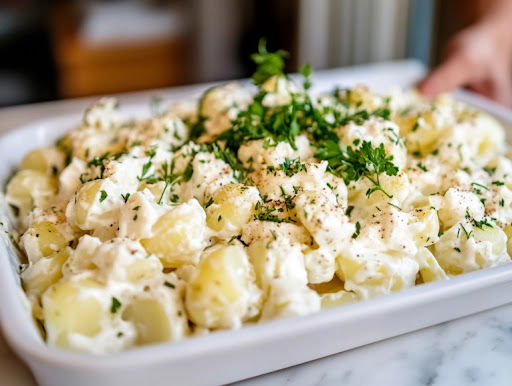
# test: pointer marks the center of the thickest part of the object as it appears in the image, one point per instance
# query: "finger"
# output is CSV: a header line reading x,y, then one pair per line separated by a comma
x,y
498,87
454,72
502,93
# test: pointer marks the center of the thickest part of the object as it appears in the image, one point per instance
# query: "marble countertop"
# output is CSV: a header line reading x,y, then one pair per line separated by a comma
x,y
475,350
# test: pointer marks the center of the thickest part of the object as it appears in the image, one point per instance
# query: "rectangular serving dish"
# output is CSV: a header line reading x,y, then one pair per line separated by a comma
x,y
228,356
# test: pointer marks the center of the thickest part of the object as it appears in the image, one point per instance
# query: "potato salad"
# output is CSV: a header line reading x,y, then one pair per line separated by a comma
x,y
253,204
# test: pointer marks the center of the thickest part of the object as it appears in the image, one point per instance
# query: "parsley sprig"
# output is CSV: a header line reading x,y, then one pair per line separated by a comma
x,y
169,177
352,163
268,64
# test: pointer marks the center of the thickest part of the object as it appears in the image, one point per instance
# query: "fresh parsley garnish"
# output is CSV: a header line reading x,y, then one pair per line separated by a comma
x,y
422,167
306,70
103,195
477,187
116,304
169,284
125,197
358,231
468,234
268,64
353,163
481,223
145,170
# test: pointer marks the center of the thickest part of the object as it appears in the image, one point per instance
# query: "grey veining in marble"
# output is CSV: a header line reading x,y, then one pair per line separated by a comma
x,y
476,350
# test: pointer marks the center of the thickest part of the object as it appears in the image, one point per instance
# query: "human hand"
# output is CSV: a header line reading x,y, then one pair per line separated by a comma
x,y
479,58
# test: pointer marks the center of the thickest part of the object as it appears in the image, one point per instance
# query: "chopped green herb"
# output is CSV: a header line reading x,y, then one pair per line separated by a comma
x,y
468,234
103,195
291,167
358,230
306,70
394,206
116,304
422,167
268,64
125,197
477,185
145,170
480,224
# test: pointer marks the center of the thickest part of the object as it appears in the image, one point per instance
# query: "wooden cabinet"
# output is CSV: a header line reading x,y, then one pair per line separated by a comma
x,y
114,67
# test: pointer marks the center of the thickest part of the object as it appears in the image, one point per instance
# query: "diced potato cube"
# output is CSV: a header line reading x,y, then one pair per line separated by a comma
x,y
45,160
232,208
223,293
430,270
151,320
397,187
275,259
457,205
179,235
140,270
68,310
508,231
495,236
29,188
426,229
288,297
158,313
336,299
423,132
360,96
370,274
465,248
44,272
320,265
82,211
43,239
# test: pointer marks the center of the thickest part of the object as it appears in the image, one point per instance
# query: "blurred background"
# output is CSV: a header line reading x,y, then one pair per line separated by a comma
x,y
63,49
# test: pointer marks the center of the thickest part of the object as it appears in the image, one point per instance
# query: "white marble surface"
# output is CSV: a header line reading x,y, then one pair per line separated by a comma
x,y
476,350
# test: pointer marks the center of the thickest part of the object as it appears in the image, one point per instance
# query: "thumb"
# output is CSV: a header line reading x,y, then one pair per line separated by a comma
x,y
454,72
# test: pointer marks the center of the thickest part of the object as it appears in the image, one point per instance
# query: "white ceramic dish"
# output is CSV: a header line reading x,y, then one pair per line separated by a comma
x,y
232,355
